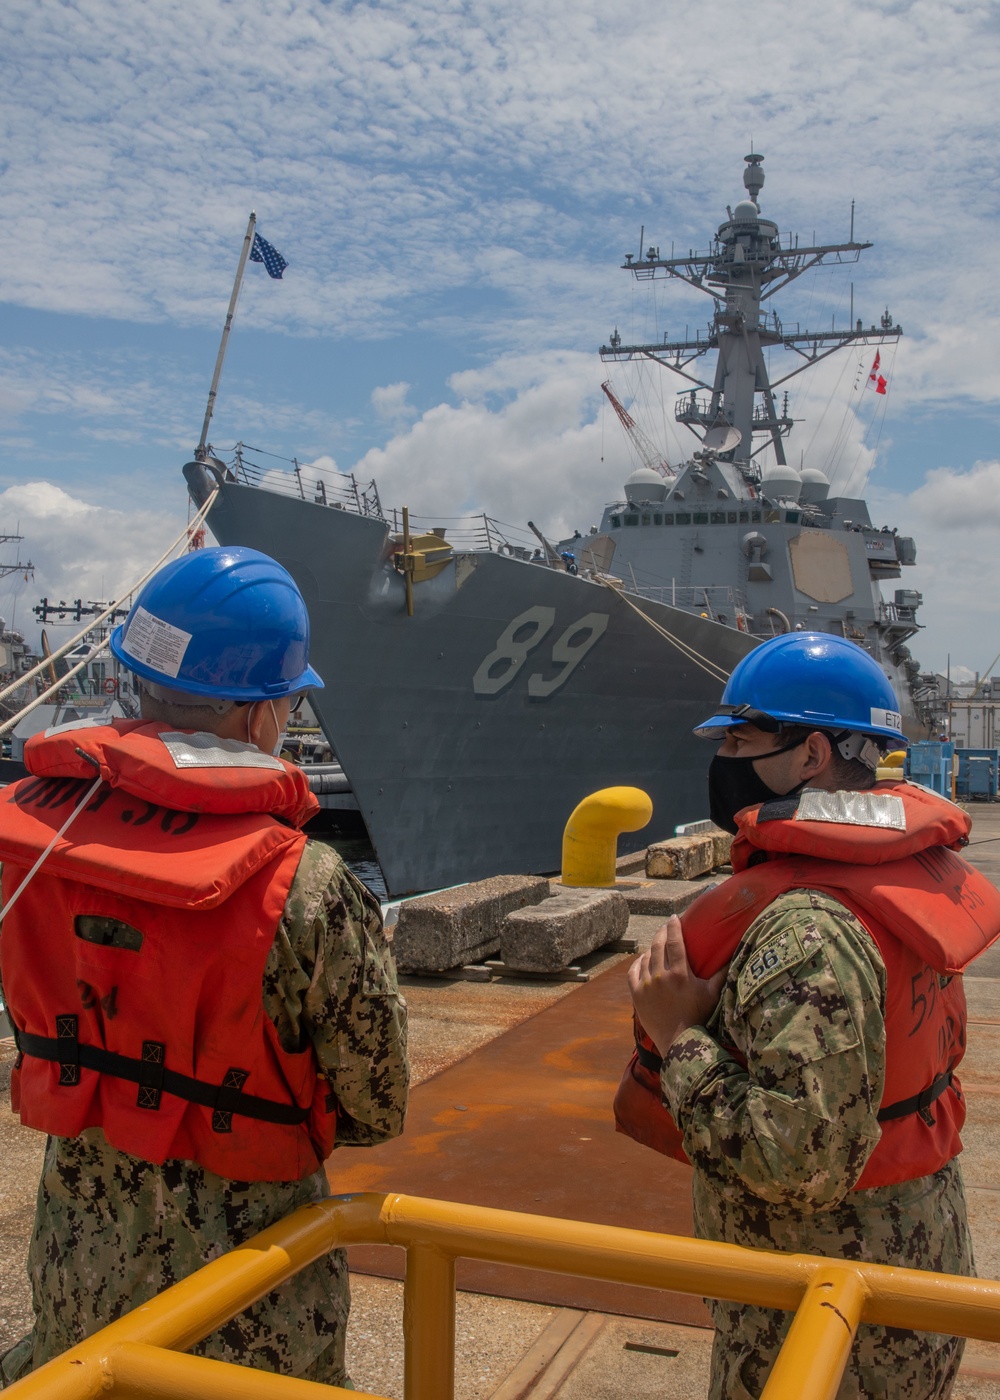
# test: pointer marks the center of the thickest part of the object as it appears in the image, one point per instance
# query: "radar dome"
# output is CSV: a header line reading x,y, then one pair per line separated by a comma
x,y
746,212
645,484
815,485
780,482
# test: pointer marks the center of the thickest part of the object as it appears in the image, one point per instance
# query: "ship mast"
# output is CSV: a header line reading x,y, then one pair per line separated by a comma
x,y
18,567
746,265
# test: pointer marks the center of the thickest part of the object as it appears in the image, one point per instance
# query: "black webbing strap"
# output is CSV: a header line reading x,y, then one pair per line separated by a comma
x,y
917,1103
154,1079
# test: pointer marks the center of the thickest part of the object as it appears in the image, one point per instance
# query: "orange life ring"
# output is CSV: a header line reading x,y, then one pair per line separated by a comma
x,y
110,686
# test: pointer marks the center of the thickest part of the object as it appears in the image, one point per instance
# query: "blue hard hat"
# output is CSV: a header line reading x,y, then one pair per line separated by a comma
x,y
809,678
226,624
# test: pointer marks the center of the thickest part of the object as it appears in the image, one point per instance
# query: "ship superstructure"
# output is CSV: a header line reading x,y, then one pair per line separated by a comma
x,y
764,548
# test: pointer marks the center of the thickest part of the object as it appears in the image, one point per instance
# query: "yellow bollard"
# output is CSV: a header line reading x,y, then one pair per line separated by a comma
x,y
590,841
891,767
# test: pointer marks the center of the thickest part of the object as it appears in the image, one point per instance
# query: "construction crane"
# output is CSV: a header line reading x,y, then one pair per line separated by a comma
x,y
651,457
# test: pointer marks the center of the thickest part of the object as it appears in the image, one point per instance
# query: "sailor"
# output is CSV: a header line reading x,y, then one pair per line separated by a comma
x,y
204,1001
804,1022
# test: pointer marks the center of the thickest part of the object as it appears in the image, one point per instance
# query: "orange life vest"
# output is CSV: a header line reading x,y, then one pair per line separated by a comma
x,y
157,1034
930,914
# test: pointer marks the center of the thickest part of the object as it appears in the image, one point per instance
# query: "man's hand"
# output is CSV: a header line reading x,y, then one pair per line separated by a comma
x,y
667,996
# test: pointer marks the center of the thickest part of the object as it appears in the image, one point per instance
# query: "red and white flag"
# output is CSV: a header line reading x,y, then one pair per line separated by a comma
x,y
875,378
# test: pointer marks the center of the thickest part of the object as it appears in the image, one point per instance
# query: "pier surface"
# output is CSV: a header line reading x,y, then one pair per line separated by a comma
x,y
515,1349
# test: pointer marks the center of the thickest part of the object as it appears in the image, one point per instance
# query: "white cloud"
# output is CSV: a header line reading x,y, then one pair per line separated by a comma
x,y
523,441
397,154
954,516
79,548
960,500
42,501
389,401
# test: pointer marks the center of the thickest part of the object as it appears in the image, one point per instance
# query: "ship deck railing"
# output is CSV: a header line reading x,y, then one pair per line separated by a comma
x,y
721,602
143,1352
326,486
310,481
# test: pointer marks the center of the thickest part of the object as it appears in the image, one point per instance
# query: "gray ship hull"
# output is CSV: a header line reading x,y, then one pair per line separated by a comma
x,y
470,730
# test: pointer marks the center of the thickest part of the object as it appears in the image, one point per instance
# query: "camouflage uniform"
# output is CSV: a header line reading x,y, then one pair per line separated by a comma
x,y
777,1146
111,1231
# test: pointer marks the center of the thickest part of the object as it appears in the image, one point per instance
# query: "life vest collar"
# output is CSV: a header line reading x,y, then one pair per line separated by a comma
x,y
186,771
888,822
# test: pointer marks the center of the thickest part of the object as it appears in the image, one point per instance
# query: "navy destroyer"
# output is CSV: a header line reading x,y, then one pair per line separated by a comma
x,y
480,682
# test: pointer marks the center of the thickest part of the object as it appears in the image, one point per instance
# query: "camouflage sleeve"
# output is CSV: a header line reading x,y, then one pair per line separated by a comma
x,y
803,1005
330,979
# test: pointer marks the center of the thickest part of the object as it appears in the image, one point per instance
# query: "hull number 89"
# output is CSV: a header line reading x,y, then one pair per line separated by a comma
x,y
526,633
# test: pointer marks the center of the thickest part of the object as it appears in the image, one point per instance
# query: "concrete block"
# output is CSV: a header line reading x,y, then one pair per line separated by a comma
x,y
723,847
664,897
681,858
567,926
446,929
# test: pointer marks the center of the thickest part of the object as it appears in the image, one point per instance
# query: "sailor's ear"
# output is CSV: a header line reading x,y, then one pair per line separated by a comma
x,y
817,755
257,716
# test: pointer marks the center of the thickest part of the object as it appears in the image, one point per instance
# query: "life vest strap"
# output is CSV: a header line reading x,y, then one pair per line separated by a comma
x,y
154,1079
918,1103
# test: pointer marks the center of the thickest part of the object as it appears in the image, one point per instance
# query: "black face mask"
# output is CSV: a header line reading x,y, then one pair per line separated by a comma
x,y
734,783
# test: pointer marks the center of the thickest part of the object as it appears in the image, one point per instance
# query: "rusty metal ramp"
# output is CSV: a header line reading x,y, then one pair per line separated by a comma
x,y
525,1123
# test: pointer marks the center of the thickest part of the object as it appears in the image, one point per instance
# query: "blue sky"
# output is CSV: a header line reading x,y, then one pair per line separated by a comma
x,y
454,186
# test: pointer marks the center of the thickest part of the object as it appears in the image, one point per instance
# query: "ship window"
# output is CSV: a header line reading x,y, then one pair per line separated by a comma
x,y
647,520
792,516
668,520
718,517
701,517
731,517
755,517
631,520
744,517
616,522
683,518
657,519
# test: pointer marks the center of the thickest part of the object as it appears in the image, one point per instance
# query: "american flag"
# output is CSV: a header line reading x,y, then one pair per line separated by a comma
x,y
266,253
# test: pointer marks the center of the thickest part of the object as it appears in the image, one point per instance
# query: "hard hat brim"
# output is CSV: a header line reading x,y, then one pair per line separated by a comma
x,y
716,727
309,679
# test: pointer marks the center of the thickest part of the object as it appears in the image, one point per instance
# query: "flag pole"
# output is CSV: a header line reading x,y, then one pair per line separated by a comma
x,y
199,451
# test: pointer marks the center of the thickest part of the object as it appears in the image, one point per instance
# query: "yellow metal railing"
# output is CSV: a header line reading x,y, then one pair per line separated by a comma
x,y
139,1355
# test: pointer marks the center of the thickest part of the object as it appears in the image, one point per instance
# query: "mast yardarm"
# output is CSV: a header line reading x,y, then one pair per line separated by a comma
x,y
746,265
